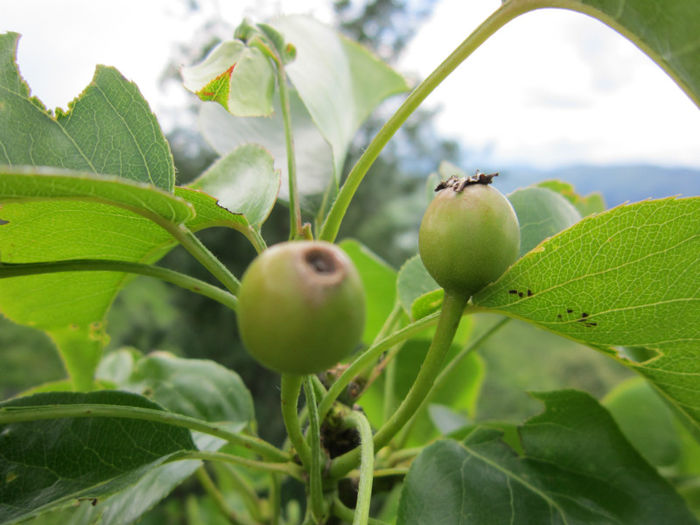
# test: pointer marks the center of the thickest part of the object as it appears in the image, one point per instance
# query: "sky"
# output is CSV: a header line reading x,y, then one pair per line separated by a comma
x,y
552,88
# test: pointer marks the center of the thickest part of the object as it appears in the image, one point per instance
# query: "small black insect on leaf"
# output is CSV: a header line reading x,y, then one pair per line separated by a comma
x,y
529,293
584,315
569,311
513,292
521,294
558,316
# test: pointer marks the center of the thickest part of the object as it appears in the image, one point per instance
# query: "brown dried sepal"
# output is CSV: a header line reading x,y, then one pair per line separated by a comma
x,y
459,183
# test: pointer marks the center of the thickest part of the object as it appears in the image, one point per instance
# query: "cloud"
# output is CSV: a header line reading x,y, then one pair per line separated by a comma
x,y
554,87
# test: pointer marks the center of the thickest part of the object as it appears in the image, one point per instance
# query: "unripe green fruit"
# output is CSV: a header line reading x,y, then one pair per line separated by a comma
x,y
301,307
468,237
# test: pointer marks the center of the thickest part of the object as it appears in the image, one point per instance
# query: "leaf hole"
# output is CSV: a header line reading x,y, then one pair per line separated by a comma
x,y
638,354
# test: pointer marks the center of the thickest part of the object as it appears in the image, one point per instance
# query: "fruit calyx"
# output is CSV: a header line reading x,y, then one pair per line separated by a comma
x,y
459,183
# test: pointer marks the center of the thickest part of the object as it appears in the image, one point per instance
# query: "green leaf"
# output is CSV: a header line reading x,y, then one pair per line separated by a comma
x,y
378,280
33,184
541,213
666,31
208,211
427,304
128,505
313,154
76,223
193,387
614,279
412,283
445,419
626,277
116,367
337,84
244,182
109,129
576,468
55,215
339,81
47,463
676,376
645,420
238,77
591,203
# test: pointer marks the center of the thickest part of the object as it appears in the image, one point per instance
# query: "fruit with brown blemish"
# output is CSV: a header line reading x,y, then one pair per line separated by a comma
x,y
301,307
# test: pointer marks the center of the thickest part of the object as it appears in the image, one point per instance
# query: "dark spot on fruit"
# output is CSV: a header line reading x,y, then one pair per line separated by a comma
x,y
321,260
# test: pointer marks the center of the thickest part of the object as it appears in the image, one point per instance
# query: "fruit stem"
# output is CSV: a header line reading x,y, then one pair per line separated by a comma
x,y
256,239
101,265
347,514
314,468
390,400
445,373
450,316
364,490
275,499
295,224
291,386
498,19
368,357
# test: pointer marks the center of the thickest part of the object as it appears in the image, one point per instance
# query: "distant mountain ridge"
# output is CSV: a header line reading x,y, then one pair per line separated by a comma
x,y
617,183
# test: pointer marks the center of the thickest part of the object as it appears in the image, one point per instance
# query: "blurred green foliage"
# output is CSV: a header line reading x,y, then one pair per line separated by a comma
x,y
521,358
29,358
